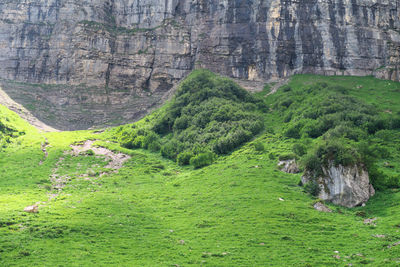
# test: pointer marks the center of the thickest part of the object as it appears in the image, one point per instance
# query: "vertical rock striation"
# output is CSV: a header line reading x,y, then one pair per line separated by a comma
x,y
132,49
346,186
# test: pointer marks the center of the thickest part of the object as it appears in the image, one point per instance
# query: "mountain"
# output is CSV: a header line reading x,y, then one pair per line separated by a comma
x,y
104,62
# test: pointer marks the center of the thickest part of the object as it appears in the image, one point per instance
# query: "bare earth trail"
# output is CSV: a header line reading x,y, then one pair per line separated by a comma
x,y
6,101
258,86
115,162
278,85
58,182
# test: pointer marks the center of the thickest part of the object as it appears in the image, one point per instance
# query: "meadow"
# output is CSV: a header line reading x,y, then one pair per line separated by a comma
x,y
238,211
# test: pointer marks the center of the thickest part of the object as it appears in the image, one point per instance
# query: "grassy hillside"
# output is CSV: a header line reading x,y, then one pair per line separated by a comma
x,y
336,119
155,212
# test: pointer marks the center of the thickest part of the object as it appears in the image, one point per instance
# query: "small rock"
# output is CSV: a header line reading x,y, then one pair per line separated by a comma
x,y
289,166
393,245
281,199
337,252
321,207
363,205
370,221
32,209
171,231
182,242
262,244
379,236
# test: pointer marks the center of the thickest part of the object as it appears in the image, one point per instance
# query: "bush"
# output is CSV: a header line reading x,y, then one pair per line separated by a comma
x,y
171,149
138,142
312,188
312,164
293,131
206,111
259,146
154,146
288,156
184,157
150,138
299,149
201,160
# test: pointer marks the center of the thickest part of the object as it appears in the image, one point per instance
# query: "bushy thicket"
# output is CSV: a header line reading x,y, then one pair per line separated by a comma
x,y
348,130
209,115
330,111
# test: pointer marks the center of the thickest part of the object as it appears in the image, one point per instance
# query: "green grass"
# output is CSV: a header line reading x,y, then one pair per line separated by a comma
x,y
227,214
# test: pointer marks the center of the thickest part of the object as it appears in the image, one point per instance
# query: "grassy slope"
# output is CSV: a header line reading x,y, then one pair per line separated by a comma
x,y
227,214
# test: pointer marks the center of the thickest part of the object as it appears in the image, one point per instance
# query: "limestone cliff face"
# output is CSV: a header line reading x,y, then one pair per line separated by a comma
x,y
132,49
346,186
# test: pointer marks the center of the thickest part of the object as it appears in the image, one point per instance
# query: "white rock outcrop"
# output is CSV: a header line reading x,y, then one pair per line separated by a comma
x,y
32,209
288,166
346,186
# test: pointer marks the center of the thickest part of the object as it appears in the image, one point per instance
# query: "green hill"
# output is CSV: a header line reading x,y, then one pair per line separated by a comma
x,y
238,211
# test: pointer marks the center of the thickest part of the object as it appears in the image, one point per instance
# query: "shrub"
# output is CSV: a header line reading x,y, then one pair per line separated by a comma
x,y
293,131
154,146
299,149
150,138
312,164
312,188
288,156
184,157
259,146
171,149
201,160
127,138
138,142
181,123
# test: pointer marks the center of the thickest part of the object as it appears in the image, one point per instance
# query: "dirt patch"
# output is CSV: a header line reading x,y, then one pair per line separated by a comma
x,y
44,146
278,85
116,159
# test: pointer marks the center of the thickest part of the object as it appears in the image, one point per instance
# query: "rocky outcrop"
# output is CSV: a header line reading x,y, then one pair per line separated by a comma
x,y
321,207
124,50
346,186
289,166
32,209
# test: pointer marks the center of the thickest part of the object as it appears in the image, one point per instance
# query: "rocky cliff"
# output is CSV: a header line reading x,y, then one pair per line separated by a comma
x,y
131,52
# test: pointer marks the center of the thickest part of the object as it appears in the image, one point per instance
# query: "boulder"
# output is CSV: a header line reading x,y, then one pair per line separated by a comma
x,y
347,186
321,207
289,166
32,209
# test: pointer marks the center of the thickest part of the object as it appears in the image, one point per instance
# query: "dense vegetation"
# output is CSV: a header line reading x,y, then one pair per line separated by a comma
x,y
208,116
331,125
